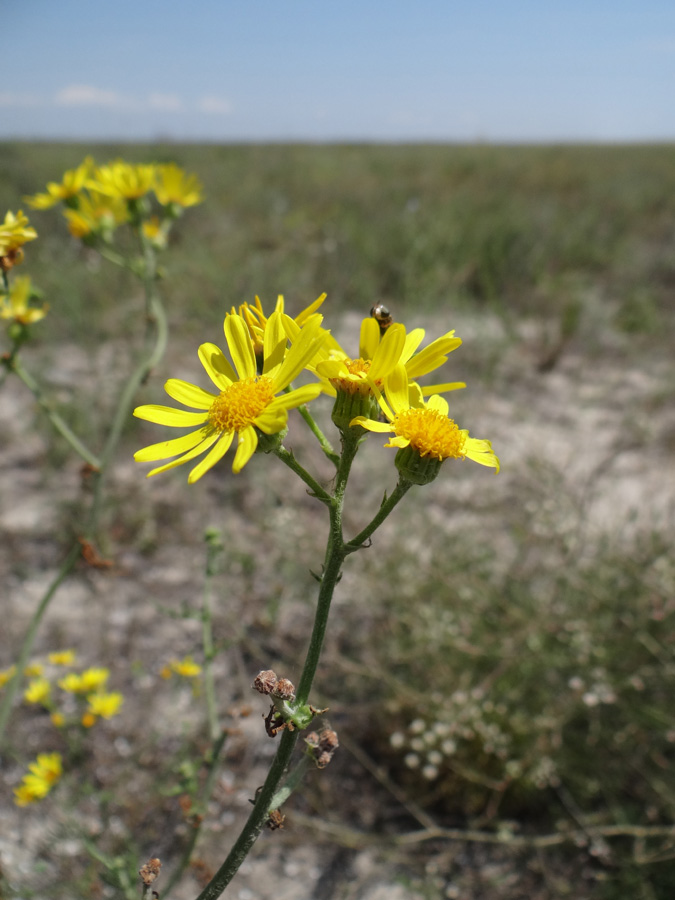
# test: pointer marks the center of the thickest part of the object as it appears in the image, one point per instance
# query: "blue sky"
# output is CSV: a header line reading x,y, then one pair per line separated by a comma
x,y
320,71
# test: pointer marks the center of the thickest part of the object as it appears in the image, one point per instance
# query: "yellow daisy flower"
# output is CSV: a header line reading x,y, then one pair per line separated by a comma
x,y
33,670
424,427
62,658
96,212
186,667
37,691
173,185
16,304
122,179
105,705
87,681
246,401
42,776
70,186
14,233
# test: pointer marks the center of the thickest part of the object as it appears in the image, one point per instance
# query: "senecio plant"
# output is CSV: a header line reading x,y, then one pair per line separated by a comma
x,y
274,364
246,410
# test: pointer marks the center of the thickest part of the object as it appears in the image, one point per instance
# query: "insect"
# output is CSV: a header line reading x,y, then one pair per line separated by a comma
x,y
382,316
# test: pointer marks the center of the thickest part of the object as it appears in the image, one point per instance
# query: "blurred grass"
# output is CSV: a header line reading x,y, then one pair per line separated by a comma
x,y
517,230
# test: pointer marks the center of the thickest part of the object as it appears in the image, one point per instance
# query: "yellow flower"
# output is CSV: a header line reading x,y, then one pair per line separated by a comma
x,y
70,186
37,691
87,681
378,356
246,401
16,304
42,776
104,705
155,232
122,179
96,212
14,233
172,185
186,667
6,675
62,658
256,319
58,720
425,427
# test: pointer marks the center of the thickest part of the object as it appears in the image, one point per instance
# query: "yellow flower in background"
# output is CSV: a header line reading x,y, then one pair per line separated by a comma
x,y
256,319
37,691
70,186
62,658
57,719
122,179
185,667
246,401
425,427
173,185
84,683
43,774
104,705
7,675
96,212
16,304
155,232
14,233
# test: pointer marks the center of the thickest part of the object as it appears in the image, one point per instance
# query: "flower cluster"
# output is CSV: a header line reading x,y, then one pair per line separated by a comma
x,y
97,199
254,393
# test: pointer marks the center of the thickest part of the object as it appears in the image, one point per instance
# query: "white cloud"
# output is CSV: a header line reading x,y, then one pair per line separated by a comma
x,y
88,95
166,102
9,98
218,106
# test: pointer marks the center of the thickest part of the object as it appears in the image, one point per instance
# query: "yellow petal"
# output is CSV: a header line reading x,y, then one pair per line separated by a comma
x,y
165,449
412,341
369,339
301,353
241,346
272,421
440,404
166,415
388,353
430,389
312,308
371,424
217,366
212,457
186,457
248,441
274,343
189,394
432,356
396,387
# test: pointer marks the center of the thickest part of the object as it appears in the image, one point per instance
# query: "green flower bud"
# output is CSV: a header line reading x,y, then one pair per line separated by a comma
x,y
415,468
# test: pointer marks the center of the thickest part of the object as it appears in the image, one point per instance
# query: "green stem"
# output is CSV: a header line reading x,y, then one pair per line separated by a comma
x,y
53,416
27,645
324,443
125,402
387,506
287,457
335,554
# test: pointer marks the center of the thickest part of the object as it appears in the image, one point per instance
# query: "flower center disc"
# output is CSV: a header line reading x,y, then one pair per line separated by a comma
x,y
239,404
430,433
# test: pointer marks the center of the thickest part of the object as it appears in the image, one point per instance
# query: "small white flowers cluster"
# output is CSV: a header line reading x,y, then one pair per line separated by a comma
x,y
467,718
